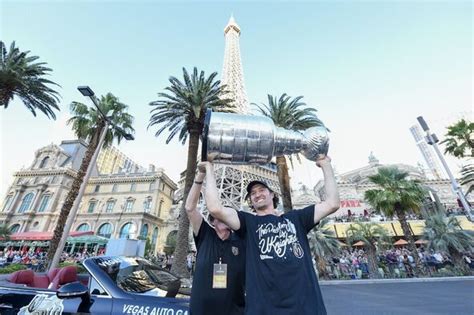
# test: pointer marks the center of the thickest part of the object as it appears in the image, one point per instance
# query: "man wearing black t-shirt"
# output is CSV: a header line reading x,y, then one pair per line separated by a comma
x,y
280,278
219,275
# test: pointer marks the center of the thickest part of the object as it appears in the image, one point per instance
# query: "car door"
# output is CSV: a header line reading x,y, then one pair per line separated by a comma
x,y
150,305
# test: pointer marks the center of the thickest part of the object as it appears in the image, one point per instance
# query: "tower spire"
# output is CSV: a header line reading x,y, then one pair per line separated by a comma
x,y
232,72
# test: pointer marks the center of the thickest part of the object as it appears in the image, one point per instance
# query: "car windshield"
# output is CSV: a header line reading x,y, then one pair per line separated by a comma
x,y
138,275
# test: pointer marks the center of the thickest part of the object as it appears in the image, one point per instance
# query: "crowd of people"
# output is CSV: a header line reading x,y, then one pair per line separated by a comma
x,y
392,263
36,259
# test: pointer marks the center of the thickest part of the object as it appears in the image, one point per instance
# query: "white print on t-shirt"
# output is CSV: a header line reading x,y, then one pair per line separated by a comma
x,y
275,239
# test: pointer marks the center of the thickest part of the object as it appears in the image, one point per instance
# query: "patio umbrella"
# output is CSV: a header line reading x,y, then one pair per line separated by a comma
x,y
400,242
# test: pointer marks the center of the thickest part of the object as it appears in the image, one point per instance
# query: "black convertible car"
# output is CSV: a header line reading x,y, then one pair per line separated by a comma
x,y
112,285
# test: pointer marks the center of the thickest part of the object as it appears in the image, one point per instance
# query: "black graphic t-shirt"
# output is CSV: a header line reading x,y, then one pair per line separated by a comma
x,y
204,299
280,277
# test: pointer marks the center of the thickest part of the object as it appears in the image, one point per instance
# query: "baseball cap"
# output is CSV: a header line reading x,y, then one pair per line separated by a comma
x,y
256,182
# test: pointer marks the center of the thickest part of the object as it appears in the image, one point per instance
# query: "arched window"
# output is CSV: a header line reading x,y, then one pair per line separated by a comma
x,y
8,202
44,202
171,238
44,162
15,228
25,204
144,232
154,236
105,230
125,230
83,227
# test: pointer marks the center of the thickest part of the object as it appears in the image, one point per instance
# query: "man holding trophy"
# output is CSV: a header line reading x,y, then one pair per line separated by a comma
x,y
280,278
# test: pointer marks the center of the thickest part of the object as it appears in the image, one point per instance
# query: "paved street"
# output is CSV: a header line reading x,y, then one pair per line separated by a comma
x,y
441,297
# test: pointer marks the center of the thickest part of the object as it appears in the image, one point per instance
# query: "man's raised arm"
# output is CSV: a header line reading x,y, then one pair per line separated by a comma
x,y
227,215
331,204
194,216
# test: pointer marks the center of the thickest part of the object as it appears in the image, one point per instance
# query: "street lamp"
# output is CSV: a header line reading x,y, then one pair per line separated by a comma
x,y
433,140
86,91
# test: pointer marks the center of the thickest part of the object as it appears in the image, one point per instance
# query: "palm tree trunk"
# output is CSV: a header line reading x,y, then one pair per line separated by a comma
x,y
373,266
284,180
322,272
411,242
459,262
73,192
182,242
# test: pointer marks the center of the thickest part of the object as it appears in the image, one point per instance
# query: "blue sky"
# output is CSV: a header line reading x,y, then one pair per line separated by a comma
x,y
370,68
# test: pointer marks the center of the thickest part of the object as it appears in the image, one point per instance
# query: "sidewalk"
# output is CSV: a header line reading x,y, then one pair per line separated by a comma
x,y
404,280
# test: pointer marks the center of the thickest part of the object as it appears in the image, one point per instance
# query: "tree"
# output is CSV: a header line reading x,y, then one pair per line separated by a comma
x,y
181,111
87,124
467,177
370,234
446,235
5,232
397,195
293,115
460,139
323,243
22,76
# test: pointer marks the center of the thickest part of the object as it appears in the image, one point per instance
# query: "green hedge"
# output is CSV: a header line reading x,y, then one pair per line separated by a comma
x,y
12,268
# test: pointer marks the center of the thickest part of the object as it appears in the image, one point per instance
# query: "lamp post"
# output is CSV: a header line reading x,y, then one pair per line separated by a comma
x,y
433,140
86,91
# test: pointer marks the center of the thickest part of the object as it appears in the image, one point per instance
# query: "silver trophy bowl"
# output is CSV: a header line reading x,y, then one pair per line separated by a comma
x,y
245,139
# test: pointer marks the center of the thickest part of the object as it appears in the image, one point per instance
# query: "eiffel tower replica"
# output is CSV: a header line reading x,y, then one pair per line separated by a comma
x,y
231,179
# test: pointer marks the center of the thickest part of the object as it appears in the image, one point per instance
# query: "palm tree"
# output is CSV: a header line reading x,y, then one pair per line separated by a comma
x,y
396,196
323,243
181,111
467,177
5,232
446,235
21,76
370,234
460,139
87,124
293,115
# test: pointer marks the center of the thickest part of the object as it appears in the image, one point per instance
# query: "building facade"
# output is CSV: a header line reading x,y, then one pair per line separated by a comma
x,y
33,200
130,204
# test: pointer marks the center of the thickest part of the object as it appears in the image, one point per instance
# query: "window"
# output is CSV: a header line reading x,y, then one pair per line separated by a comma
x,y
15,228
54,180
147,204
97,188
159,207
83,227
125,230
133,187
8,202
144,232
110,206
129,205
152,186
114,188
154,236
44,162
25,204
44,203
35,225
105,230
91,206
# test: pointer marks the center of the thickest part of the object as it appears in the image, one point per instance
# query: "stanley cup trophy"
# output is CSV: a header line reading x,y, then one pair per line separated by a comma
x,y
244,139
